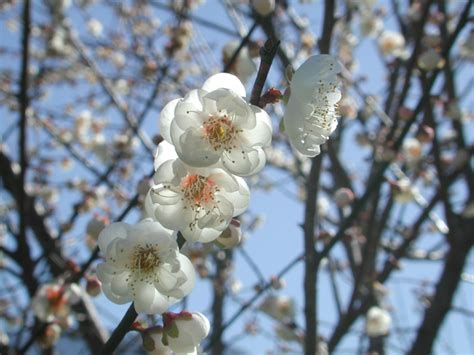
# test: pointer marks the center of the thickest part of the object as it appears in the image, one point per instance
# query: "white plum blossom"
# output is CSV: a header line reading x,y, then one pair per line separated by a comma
x,y
143,264
278,307
215,124
370,24
243,66
198,202
392,43
310,115
52,301
183,332
377,322
95,27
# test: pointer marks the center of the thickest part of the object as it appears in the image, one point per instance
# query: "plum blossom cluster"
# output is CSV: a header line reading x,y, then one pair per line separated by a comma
x,y
212,139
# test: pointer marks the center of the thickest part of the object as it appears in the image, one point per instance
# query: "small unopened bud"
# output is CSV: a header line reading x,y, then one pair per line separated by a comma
x,y
343,197
405,113
95,226
230,237
93,286
50,336
263,7
430,60
277,282
272,96
183,332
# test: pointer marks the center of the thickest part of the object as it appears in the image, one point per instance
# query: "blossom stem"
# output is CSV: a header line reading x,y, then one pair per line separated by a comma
x,y
119,332
267,54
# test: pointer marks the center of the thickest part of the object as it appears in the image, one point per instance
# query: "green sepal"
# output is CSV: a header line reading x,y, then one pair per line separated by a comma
x,y
148,342
173,330
281,126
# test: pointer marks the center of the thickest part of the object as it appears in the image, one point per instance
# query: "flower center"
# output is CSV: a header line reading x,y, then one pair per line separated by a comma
x,y
145,258
56,297
220,131
198,189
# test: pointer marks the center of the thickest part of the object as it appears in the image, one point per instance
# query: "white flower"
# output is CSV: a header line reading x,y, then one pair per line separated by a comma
x,y
392,43
53,301
377,322
95,27
370,24
412,151
263,7
199,202
183,332
278,307
215,124
143,264
404,191
310,115
287,333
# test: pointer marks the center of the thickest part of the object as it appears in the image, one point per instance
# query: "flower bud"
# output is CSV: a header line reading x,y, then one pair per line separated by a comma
x,y
263,7
184,331
153,343
93,286
230,237
343,197
392,44
377,322
50,336
430,60
95,226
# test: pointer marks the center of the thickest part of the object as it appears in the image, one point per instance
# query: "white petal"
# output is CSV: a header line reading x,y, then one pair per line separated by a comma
x,y
166,280
143,296
200,235
188,273
241,198
119,284
105,272
170,172
194,149
114,297
171,216
261,135
224,180
166,116
111,232
322,67
164,152
164,196
160,304
244,163
238,109
224,80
